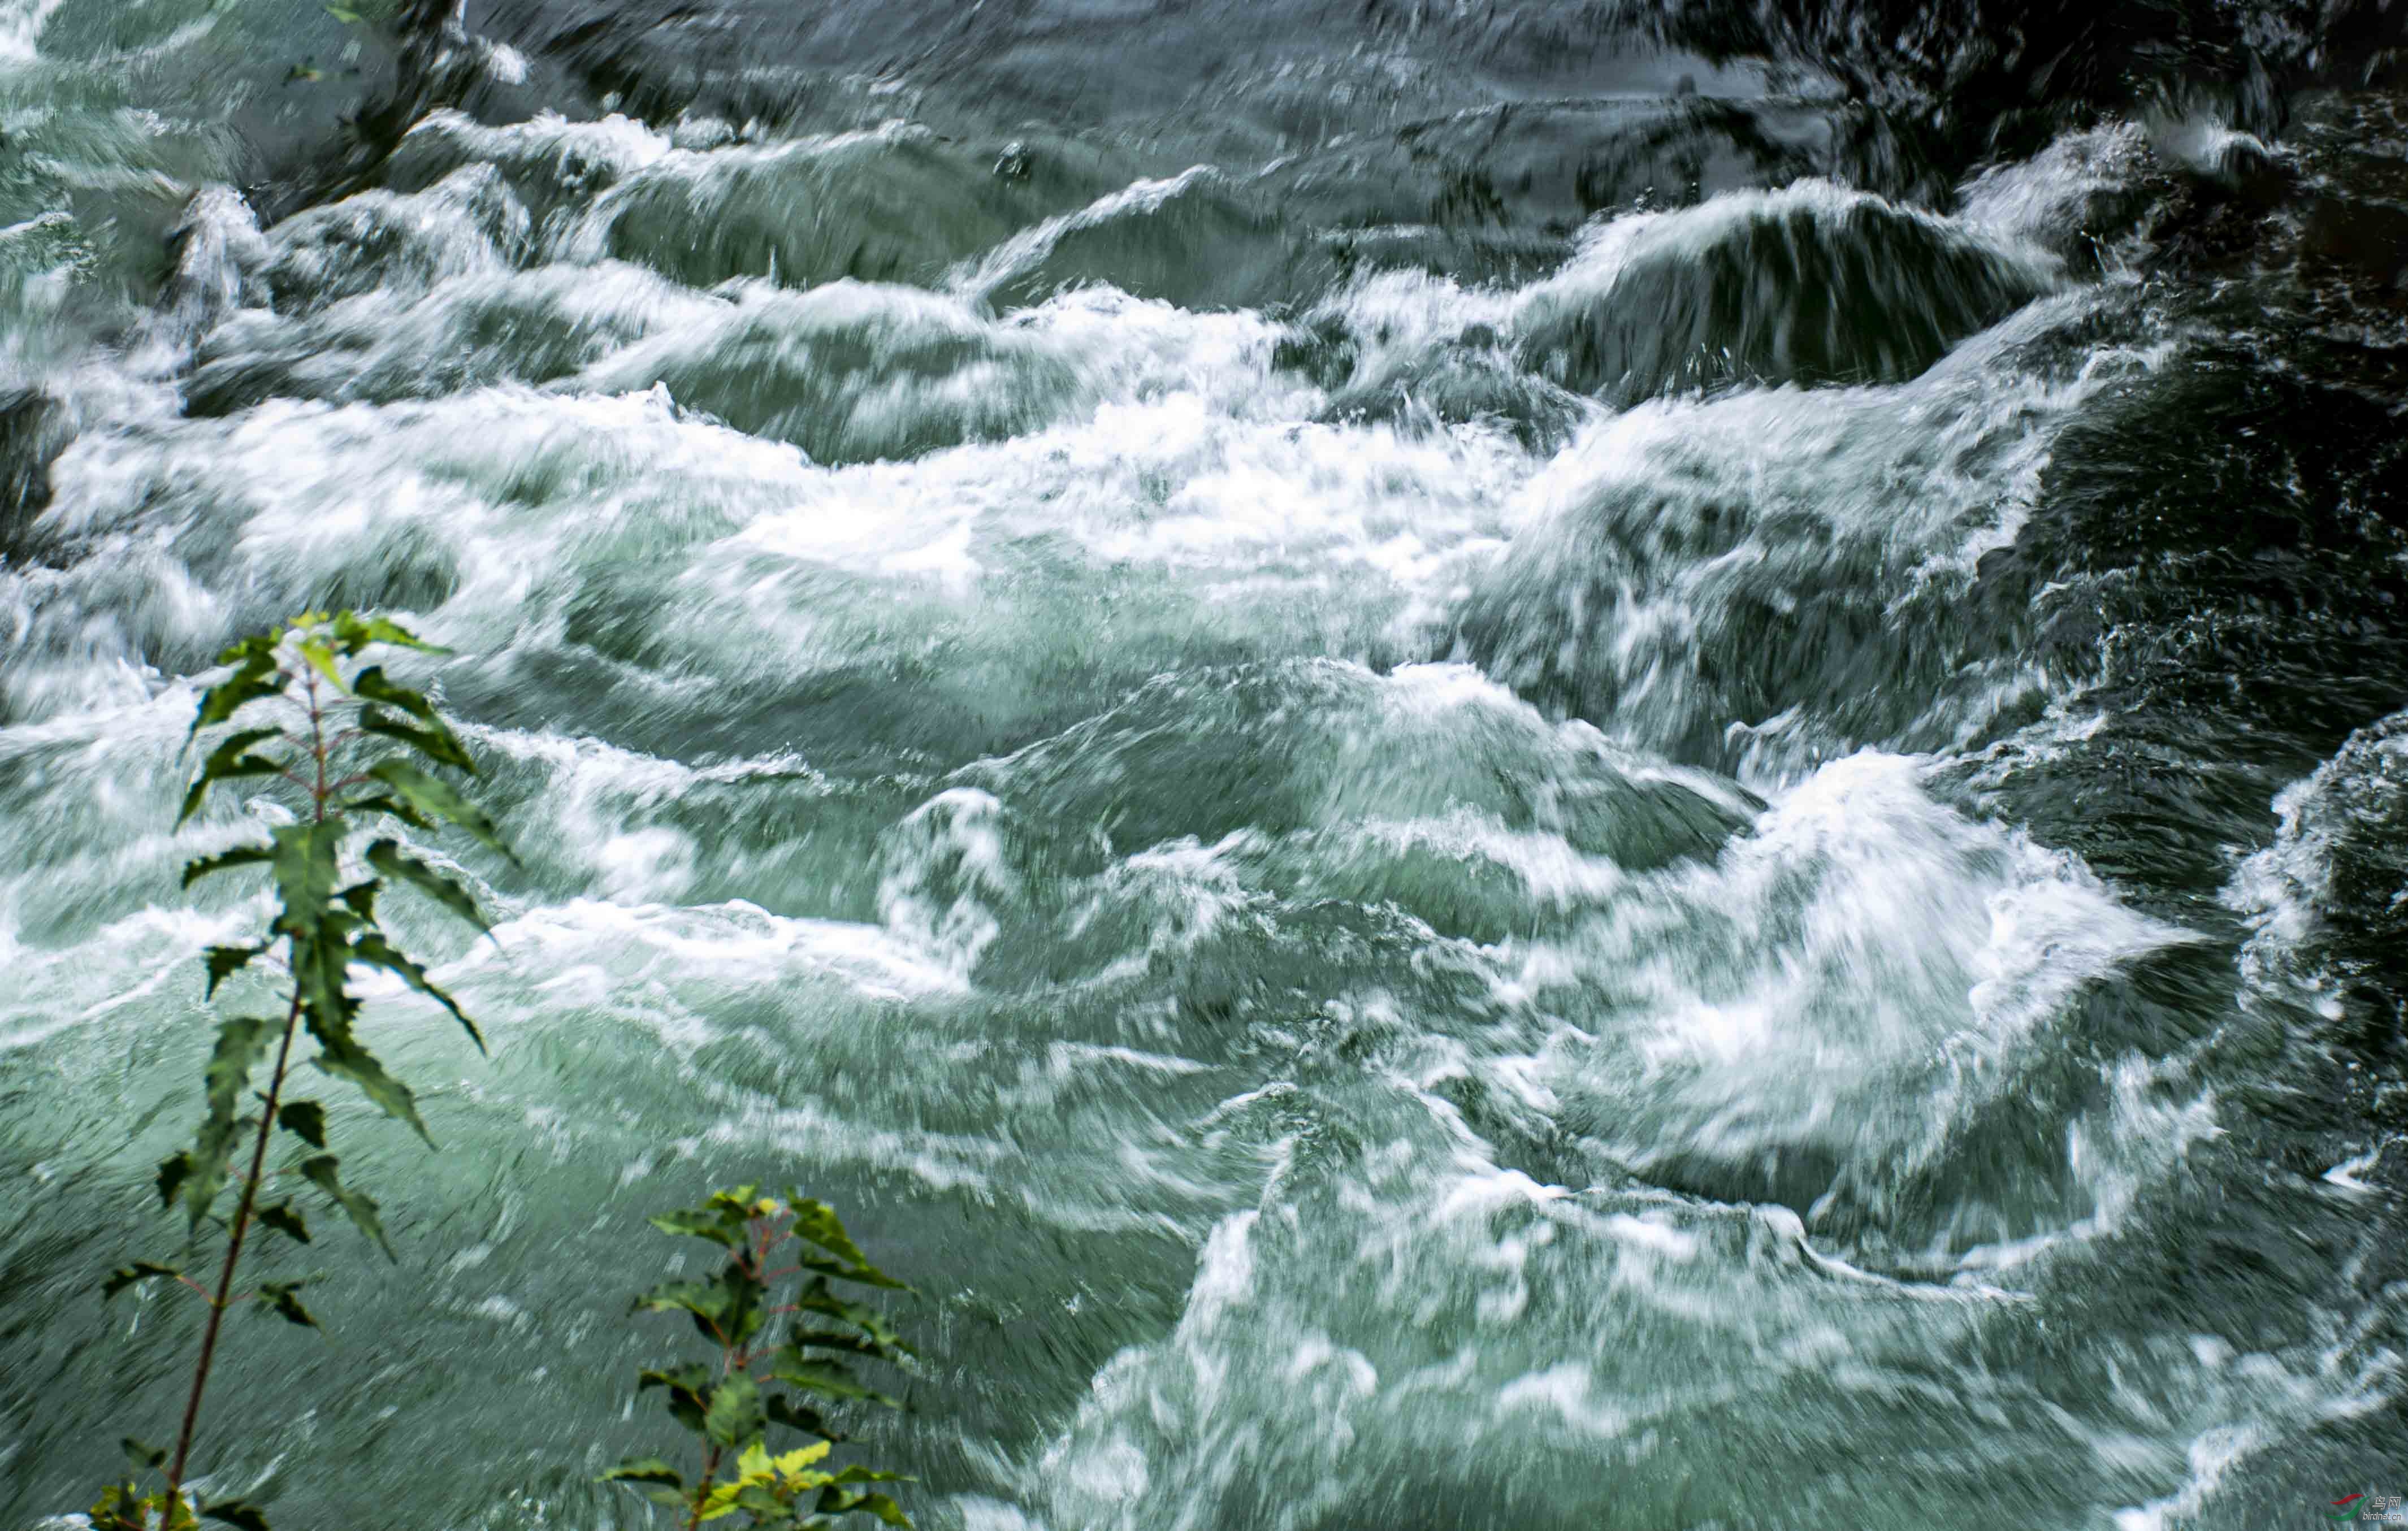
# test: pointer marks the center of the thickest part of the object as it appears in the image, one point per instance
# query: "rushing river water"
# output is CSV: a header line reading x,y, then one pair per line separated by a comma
x,y
1501,767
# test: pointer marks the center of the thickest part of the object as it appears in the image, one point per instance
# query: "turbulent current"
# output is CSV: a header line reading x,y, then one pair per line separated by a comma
x,y
1537,768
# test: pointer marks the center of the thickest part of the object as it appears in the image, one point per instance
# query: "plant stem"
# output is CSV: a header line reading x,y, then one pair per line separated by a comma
x,y
243,1207
219,1304
317,748
702,1490
734,1356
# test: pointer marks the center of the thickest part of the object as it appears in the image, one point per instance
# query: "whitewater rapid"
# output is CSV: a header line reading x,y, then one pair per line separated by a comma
x,y
1412,892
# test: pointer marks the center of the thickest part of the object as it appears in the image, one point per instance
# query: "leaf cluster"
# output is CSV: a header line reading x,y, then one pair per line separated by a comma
x,y
340,735
306,713
779,1365
121,1506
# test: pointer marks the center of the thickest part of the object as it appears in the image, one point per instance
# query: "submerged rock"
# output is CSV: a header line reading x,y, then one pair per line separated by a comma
x,y
1813,284
35,429
2333,888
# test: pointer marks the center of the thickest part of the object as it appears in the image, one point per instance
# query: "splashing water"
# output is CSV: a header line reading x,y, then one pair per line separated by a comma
x,y
1462,786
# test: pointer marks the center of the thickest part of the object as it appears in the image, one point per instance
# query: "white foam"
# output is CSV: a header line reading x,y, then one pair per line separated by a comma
x,y
1857,977
21,27
2345,1174
2036,199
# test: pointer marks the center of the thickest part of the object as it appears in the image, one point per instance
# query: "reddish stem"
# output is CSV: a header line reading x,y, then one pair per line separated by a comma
x,y
251,1181
219,1304
702,1490
732,1359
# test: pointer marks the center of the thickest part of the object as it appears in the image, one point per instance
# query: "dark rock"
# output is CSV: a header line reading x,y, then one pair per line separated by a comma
x,y
35,429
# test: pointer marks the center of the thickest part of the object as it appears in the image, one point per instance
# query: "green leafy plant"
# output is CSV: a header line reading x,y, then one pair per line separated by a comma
x,y
342,745
777,1364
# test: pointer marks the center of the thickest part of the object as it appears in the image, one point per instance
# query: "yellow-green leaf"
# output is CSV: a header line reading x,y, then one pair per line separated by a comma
x,y
321,656
753,1462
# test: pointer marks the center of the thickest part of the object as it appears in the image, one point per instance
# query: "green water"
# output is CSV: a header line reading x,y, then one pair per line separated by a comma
x,y
1445,821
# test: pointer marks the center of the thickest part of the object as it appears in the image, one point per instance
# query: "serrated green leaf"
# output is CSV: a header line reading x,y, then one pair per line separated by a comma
x,y
703,1222
374,951
280,1299
817,1222
360,898
125,1276
765,1507
251,650
305,1120
819,1298
256,676
234,1512
308,864
356,632
142,1455
228,762
387,803
748,1300
644,1469
174,1170
388,857
789,1365
318,930
225,962
320,1171
284,1219
436,744
321,962
734,1414
798,1416
226,861
688,1388
242,1042
371,686
435,798
850,1344
707,1301
340,1055
693,1377
843,1501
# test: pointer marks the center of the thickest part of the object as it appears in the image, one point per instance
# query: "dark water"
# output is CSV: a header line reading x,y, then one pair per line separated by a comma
x,y
1473,765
